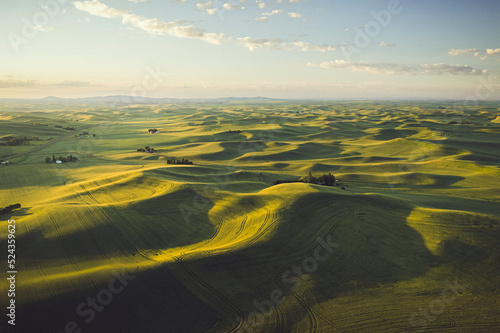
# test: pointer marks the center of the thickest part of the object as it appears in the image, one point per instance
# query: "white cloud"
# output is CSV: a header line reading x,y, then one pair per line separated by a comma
x,y
211,11
202,5
493,51
138,1
279,44
257,43
458,52
303,46
295,15
262,19
228,6
97,8
384,44
274,12
182,30
395,69
151,26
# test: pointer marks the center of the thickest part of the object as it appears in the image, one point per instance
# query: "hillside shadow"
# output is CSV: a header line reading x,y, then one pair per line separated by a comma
x,y
154,301
234,149
373,246
146,228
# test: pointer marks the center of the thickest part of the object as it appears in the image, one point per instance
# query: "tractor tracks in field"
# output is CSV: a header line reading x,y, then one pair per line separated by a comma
x,y
68,252
195,277
120,216
279,312
38,261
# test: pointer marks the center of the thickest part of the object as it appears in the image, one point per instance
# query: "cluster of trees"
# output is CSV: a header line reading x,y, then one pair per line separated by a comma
x,y
326,179
69,128
63,159
66,128
10,208
237,131
147,149
15,141
285,181
172,160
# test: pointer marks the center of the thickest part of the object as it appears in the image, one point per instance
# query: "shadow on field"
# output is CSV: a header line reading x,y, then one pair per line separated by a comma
x,y
153,300
142,229
138,301
372,245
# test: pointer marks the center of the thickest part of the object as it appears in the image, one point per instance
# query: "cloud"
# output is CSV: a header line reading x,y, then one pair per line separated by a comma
x,y
97,8
294,15
304,46
151,26
211,11
279,44
493,51
18,83
138,1
182,30
458,52
262,19
228,6
68,84
397,69
202,5
384,44
274,12
13,83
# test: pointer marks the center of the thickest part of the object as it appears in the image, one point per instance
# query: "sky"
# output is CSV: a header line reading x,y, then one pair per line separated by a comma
x,y
295,49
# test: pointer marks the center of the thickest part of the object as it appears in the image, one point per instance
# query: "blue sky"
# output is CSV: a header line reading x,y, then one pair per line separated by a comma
x,y
283,49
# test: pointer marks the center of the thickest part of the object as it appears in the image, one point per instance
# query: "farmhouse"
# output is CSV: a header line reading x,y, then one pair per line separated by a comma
x,y
5,162
58,161
153,131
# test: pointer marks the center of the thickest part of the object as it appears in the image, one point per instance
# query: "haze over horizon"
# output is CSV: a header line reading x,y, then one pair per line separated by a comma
x,y
288,49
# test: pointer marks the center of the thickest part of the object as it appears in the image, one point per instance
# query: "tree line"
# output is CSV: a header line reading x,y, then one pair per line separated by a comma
x,y
17,141
10,208
147,149
69,158
173,160
326,180
66,128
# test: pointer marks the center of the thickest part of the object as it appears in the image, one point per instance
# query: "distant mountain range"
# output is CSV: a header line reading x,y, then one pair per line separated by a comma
x,y
128,100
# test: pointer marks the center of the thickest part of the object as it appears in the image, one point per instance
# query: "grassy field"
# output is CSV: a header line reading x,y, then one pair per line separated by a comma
x,y
121,241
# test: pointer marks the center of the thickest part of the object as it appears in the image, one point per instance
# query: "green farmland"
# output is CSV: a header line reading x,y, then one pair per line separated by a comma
x,y
119,240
